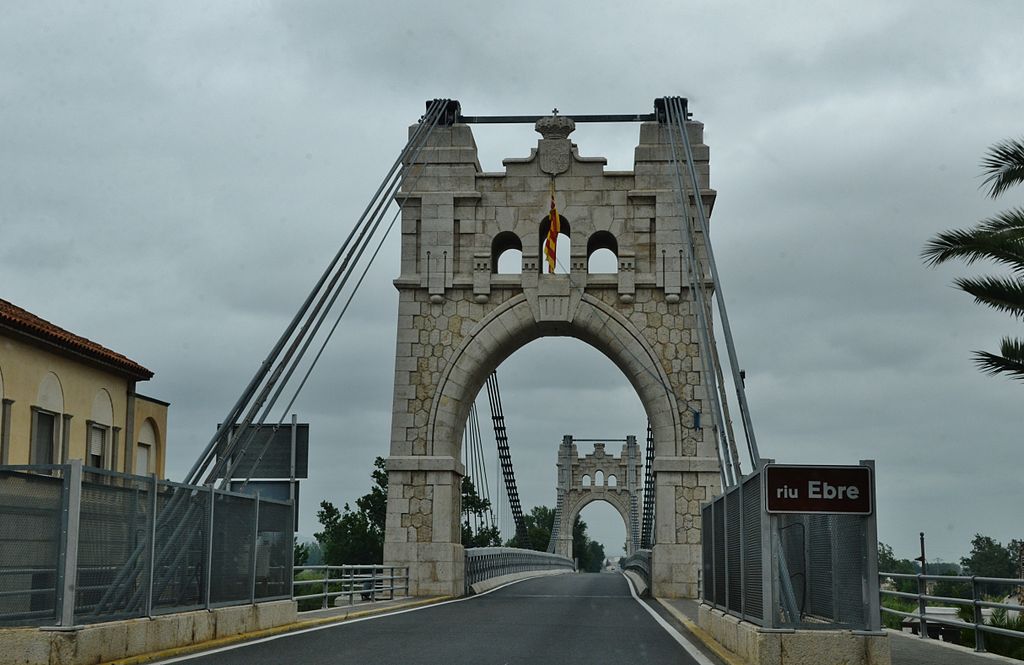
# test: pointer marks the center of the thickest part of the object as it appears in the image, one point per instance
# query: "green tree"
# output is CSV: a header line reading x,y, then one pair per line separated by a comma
x,y
988,558
539,523
999,239
356,536
888,563
301,555
476,509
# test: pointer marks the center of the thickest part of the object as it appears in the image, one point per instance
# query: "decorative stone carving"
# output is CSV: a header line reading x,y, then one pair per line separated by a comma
x,y
555,149
555,127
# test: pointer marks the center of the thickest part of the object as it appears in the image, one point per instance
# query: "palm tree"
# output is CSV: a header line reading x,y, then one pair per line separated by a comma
x,y
999,239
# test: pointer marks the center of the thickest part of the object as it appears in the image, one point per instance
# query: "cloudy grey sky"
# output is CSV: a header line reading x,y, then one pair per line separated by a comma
x,y
174,176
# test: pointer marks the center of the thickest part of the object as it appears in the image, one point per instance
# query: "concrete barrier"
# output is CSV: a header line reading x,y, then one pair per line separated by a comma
x,y
758,646
103,642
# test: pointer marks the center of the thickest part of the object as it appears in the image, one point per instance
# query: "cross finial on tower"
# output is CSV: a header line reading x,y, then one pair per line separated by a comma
x,y
554,111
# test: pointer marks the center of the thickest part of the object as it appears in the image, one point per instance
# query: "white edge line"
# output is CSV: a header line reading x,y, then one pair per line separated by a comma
x,y
694,652
230,647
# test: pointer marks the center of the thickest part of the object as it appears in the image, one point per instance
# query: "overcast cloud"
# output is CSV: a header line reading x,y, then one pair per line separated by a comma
x,y
173,178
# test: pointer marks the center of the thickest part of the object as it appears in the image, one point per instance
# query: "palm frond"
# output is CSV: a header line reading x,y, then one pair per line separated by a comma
x,y
1005,294
1004,166
1011,360
999,238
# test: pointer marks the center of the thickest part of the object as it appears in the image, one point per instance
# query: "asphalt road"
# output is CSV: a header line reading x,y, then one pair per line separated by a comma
x,y
566,619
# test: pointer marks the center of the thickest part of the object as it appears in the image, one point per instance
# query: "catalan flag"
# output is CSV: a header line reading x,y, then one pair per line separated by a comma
x,y
556,225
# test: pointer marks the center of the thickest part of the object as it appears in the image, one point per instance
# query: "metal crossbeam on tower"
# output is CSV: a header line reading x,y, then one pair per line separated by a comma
x,y
505,456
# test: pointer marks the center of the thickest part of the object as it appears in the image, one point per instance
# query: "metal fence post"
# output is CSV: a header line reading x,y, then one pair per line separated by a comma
x,y
209,546
152,543
874,601
255,547
327,574
922,587
979,635
72,520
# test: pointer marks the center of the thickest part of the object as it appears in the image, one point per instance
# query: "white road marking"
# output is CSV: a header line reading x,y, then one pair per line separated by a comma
x,y
675,634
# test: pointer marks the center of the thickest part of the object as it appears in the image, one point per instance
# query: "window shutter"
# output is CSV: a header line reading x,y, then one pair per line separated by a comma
x,y
96,441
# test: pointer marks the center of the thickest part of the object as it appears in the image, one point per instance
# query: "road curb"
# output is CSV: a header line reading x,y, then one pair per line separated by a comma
x,y
268,632
724,654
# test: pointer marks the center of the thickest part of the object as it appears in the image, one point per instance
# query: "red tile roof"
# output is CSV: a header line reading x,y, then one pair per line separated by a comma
x,y
16,318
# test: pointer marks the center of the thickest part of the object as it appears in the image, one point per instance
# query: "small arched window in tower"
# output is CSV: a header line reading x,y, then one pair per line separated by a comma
x,y
613,481
599,478
585,480
602,253
506,254
563,255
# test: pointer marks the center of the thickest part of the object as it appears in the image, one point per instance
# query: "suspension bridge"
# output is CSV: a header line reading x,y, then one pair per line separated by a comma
x,y
690,490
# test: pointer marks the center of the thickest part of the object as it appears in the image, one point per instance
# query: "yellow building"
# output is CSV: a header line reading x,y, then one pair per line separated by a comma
x,y
66,397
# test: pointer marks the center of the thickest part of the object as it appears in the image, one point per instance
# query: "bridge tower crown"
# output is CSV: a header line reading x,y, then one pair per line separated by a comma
x,y
459,318
597,476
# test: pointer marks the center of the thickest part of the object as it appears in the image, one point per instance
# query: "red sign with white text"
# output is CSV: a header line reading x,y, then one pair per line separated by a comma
x,y
818,489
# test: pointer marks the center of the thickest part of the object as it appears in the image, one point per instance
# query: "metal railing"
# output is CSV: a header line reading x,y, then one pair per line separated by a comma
x,y
368,583
640,563
483,563
978,585
83,545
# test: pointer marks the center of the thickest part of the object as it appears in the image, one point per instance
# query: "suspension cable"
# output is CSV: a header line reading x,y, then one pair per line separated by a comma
x,y
697,294
741,394
327,299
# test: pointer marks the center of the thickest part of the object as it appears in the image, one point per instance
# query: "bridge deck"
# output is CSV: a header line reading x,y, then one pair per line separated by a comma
x,y
564,619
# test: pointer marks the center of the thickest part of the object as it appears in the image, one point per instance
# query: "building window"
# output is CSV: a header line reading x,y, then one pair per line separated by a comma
x,y
44,437
142,454
95,455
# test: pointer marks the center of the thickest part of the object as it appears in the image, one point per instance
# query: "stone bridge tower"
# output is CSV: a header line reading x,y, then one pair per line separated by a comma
x,y
597,477
458,319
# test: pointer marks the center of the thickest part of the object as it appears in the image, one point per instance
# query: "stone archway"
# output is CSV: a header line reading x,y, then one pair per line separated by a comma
x,y
458,320
574,493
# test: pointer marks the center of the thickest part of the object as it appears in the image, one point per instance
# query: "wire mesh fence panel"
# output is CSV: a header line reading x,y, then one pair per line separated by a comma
x,y
821,596
273,550
794,544
753,601
113,557
732,553
718,516
234,524
30,528
707,556
849,566
181,548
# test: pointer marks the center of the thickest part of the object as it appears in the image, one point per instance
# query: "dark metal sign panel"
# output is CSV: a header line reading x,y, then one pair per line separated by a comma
x,y
279,490
276,461
818,489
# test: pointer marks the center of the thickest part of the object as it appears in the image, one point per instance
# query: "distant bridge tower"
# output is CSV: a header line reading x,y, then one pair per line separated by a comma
x,y
596,477
458,319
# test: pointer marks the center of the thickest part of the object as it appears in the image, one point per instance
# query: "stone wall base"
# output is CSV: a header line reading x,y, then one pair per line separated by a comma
x,y
793,647
435,569
102,642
